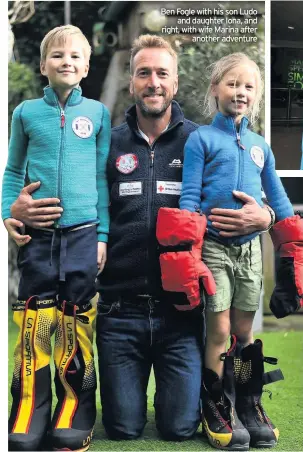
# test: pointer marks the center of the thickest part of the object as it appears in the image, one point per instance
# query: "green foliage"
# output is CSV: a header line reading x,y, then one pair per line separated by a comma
x,y
22,85
50,14
195,58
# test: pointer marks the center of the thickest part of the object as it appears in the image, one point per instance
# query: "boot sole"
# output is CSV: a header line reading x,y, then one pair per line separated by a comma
x,y
234,447
73,450
264,444
216,443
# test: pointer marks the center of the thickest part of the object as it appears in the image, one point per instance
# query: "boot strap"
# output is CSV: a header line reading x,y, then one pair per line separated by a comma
x,y
272,376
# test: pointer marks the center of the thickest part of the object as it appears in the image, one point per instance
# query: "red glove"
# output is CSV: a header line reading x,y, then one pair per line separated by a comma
x,y
180,234
287,237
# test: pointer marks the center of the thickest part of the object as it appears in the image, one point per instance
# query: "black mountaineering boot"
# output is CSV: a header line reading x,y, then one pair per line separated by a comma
x,y
219,418
250,377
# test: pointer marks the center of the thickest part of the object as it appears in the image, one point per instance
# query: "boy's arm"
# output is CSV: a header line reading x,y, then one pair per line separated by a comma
x,y
192,173
103,145
13,179
274,190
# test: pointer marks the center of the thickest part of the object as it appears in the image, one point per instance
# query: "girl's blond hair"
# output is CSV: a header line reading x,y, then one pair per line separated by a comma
x,y
60,34
217,72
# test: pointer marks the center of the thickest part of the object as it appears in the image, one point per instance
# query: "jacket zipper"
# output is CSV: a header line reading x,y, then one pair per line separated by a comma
x,y
240,148
150,189
59,188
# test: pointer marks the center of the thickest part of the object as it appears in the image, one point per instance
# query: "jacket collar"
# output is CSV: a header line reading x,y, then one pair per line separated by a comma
x,y
177,116
51,98
227,124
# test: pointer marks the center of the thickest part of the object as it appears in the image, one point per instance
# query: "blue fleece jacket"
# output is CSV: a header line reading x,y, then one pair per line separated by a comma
x,y
67,151
219,159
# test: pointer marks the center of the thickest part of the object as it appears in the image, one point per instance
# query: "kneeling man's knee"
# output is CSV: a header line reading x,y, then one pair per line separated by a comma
x,y
177,431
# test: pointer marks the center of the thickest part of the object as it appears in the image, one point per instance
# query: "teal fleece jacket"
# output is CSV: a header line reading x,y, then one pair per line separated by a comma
x,y
66,149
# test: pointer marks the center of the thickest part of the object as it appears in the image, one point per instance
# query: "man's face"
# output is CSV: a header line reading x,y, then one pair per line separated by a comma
x,y
154,81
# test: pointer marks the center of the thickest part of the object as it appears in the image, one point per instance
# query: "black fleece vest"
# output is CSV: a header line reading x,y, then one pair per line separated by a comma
x,y
139,185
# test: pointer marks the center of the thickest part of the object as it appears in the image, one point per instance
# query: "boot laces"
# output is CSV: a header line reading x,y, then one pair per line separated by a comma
x,y
222,407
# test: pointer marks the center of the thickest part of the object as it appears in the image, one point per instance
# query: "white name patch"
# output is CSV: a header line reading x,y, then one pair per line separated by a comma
x,y
130,188
257,155
169,188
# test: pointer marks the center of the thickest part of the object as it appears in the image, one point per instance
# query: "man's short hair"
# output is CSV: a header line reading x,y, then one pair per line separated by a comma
x,y
149,42
60,34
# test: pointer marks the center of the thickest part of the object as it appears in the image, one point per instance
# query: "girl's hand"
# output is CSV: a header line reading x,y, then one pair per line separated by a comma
x,y
12,227
101,256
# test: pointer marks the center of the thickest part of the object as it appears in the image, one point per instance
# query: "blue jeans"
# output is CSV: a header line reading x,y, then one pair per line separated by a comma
x,y
132,336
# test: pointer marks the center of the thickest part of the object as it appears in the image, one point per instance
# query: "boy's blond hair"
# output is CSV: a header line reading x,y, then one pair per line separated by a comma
x,y
217,72
148,42
59,34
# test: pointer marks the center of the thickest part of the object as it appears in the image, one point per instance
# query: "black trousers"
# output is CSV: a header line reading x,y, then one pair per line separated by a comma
x,y
59,264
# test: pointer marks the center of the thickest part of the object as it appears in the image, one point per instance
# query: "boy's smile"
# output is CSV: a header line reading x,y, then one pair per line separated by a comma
x,y
65,64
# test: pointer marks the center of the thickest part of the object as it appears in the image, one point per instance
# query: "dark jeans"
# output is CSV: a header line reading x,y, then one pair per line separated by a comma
x,y
132,336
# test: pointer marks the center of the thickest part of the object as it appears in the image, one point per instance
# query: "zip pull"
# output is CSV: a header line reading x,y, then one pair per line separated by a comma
x,y
152,154
62,119
239,141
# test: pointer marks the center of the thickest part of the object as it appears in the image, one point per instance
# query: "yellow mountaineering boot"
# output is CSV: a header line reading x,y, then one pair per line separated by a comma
x,y
75,379
31,384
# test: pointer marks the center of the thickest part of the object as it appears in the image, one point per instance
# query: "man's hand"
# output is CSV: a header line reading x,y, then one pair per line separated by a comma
x,y
101,256
35,213
250,218
13,227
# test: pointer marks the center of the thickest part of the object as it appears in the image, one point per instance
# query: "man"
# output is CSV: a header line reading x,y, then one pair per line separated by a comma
x,y
137,325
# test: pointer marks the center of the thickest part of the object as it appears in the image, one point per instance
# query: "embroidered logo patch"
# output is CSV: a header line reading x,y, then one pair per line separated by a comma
x,y
257,155
176,163
169,188
130,188
82,126
127,163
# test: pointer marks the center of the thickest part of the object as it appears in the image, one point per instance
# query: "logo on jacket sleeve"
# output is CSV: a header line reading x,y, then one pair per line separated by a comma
x,y
127,163
257,156
82,126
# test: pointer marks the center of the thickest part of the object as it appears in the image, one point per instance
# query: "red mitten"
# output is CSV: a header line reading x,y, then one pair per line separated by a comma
x,y
180,235
287,237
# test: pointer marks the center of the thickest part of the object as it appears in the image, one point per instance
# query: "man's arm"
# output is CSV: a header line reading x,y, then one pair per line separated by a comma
x,y
35,213
250,218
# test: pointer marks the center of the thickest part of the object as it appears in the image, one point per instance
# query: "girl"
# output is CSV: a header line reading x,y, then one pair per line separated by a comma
x,y
220,159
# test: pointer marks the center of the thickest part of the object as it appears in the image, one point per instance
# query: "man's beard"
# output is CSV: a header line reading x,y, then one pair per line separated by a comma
x,y
152,112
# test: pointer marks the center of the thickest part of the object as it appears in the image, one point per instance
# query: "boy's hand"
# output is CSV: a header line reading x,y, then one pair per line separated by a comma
x,y
12,227
101,256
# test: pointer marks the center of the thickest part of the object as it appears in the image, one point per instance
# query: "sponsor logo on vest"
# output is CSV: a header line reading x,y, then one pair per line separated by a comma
x,y
127,163
176,163
169,188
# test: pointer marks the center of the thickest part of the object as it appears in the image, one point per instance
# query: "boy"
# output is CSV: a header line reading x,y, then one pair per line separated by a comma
x,y
63,140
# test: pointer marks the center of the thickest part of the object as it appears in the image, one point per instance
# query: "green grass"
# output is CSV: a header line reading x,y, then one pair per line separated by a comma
x,y
285,408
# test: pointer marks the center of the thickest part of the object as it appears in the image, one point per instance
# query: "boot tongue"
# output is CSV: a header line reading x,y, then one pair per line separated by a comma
x,y
252,351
